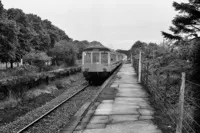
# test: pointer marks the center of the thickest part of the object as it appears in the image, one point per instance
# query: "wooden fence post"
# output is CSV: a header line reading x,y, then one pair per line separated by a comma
x,y
147,74
139,69
181,104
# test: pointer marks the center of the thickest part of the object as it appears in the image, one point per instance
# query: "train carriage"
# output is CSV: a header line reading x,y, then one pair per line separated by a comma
x,y
98,62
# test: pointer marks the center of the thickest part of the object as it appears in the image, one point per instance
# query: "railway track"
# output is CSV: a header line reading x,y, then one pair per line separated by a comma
x,y
83,110
51,110
34,124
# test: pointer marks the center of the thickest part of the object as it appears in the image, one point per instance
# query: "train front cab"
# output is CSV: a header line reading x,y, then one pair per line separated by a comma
x,y
95,65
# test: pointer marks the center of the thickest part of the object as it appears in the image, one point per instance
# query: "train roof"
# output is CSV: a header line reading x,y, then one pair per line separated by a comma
x,y
103,48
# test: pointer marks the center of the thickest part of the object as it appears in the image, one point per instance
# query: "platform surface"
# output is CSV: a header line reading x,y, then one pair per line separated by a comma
x,y
128,112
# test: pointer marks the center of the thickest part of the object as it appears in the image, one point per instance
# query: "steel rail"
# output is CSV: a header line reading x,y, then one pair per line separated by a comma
x,y
58,105
51,110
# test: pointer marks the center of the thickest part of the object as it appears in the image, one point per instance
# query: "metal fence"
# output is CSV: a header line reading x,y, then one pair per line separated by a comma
x,y
174,94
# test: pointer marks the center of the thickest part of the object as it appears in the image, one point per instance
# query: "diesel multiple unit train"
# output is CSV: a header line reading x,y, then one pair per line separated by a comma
x,y
98,62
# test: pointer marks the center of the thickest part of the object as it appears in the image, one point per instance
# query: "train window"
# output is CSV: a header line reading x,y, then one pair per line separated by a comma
x,y
104,58
113,58
96,58
87,57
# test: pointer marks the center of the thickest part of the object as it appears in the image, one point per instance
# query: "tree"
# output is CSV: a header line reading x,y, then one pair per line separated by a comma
x,y
41,39
126,52
63,51
2,11
9,41
151,50
37,58
96,43
81,45
44,42
137,46
19,16
186,27
187,22
52,31
24,36
8,38
21,33
45,34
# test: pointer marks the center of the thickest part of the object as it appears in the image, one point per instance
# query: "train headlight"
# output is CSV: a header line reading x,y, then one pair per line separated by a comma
x,y
104,69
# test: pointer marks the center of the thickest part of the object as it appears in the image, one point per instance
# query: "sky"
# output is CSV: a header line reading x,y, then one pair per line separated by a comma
x,y
117,24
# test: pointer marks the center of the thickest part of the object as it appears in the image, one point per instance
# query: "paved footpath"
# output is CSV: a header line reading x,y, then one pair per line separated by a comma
x,y
129,112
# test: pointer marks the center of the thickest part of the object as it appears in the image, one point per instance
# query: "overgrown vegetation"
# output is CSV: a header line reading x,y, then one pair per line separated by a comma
x,y
161,74
64,52
12,109
185,34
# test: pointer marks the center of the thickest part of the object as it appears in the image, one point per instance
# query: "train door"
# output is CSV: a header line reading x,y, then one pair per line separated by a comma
x,y
96,57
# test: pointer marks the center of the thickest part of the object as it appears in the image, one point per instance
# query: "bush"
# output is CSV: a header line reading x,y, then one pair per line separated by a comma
x,y
37,58
64,52
18,71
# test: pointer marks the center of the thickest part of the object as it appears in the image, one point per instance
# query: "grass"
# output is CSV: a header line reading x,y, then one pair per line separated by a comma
x,y
9,103
12,108
165,99
18,71
27,69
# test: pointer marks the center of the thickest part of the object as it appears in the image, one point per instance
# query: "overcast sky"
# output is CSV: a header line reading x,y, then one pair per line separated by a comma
x,y
115,23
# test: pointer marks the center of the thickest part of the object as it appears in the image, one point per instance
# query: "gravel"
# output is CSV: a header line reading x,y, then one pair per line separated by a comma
x,y
61,117
32,115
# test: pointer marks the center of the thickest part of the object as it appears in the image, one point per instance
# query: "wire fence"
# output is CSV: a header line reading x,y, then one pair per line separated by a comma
x,y
166,88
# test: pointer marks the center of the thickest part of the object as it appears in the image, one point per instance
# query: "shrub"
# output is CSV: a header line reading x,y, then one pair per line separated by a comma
x,y
63,52
37,58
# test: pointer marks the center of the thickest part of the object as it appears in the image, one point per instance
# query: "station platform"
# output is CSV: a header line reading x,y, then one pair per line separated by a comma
x,y
128,112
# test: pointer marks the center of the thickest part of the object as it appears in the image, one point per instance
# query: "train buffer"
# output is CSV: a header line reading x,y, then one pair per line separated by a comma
x,y
127,111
